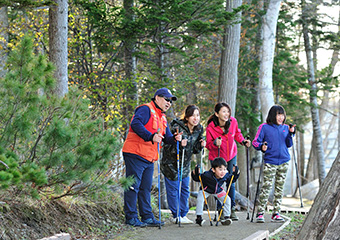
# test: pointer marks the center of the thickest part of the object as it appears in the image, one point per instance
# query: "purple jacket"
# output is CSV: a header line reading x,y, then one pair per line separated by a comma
x,y
278,138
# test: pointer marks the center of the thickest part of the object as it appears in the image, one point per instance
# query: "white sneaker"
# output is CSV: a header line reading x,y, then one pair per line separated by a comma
x,y
185,220
174,220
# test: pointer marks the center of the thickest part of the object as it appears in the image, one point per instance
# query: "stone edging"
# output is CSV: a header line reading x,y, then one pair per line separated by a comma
x,y
282,227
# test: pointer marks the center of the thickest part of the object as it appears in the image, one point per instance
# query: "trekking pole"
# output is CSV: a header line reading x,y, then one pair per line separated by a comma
x,y
225,198
219,147
205,200
247,155
180,185
219,151
297,171
257,188
202,155
177,176
159,186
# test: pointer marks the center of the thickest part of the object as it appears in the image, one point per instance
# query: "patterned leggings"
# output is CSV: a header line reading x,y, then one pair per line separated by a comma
x,y
272,173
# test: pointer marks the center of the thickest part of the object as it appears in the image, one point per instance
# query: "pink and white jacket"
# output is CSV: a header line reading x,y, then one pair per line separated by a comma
x,y
228,149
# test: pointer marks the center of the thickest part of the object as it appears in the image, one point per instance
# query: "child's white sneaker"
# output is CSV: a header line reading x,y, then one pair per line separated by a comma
x,y
260,218
226,221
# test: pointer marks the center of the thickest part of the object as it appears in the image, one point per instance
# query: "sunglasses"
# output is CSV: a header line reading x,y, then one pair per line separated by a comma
x,y
167,99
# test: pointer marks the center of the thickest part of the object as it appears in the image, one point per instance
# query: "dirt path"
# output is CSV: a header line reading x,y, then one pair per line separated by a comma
x,y
236,231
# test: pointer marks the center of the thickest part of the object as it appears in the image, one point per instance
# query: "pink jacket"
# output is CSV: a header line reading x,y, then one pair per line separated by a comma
x,y
228,149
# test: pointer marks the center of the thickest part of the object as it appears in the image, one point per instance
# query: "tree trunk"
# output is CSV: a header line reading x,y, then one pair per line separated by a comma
x,y
313,95
4,36
301,155
241,182
269,23
58,19
254,155
323,219
312,172
229,58
131,93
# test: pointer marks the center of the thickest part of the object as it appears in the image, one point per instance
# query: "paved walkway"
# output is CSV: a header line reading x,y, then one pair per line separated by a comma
x,y
236,231
239,230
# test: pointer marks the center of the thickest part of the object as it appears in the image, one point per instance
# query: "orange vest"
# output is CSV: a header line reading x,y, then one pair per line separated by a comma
x,y
136,145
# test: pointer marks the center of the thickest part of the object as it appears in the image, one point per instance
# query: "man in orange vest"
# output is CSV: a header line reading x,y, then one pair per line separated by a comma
x,y
147,130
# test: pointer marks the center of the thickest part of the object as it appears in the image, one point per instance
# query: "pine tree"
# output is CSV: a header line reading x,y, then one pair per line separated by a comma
x,y
52,146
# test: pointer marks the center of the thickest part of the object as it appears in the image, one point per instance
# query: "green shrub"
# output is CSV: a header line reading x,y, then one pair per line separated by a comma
x,y
52,146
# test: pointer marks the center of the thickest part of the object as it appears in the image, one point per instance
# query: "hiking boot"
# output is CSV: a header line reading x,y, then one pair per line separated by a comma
x,y
226,221
185,220
151,222
277,218
260,218
135,222
233,214
199,220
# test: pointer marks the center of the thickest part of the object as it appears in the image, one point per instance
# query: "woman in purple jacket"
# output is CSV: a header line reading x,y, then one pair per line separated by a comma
x,y
273,138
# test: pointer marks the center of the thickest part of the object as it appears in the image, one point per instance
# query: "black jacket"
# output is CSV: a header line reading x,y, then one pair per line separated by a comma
x,y
168,162
210,183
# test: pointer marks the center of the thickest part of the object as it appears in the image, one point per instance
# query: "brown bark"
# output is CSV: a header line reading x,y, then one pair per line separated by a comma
x,y
323,220
3,43
229,59
58,22
317,136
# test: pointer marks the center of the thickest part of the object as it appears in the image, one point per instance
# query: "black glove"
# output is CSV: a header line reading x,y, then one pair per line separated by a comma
x,y
197,169
291,125
236,172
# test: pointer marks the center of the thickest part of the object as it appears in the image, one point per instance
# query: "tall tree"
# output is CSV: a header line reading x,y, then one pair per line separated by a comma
x,y
58,30
129,42
313,93
269,23
229,58
4,39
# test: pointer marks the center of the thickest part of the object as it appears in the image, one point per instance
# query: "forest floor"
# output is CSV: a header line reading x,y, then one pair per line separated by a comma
x,y
105,220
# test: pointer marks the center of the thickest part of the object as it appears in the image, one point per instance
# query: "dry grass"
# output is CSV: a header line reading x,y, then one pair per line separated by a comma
x,y
37,219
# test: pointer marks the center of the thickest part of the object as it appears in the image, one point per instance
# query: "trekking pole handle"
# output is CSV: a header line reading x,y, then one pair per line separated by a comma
x,y
219,138
184,138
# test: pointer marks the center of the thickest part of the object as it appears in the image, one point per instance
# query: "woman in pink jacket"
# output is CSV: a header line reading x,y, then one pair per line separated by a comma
x,y
222,132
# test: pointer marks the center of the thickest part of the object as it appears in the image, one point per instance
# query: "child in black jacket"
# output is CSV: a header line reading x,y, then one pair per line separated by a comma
x,y
213,181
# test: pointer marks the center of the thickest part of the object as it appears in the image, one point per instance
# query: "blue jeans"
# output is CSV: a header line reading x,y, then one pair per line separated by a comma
x,y
142,171
172,196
